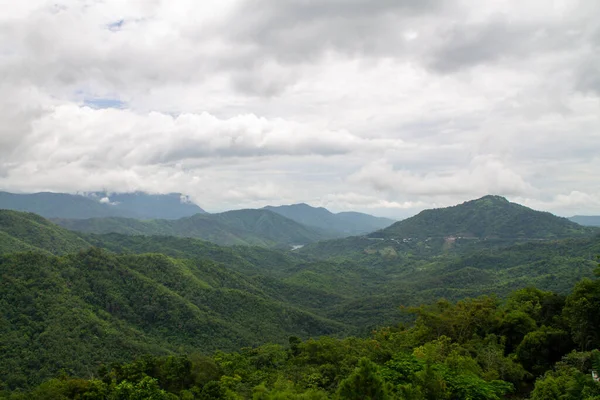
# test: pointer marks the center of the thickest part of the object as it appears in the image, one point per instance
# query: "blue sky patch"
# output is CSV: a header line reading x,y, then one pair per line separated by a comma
x,y
116,26
103,103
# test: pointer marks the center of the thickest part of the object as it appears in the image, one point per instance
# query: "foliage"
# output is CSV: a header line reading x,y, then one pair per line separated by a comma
x,y
74,311
25,231
338,225
487,217
169,317
453,351
240,227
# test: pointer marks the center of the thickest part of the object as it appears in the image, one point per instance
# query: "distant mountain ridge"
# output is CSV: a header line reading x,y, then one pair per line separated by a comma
x,y
151,206
341,224
101,205
586,220
473,225
239,227
487,217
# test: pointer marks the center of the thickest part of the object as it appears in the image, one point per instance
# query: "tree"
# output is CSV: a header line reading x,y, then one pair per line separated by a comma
x,y
145,389
365,383
582,311
540,349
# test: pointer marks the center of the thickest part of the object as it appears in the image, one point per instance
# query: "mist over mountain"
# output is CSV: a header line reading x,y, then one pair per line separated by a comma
x,y
159,242
150,206
101,204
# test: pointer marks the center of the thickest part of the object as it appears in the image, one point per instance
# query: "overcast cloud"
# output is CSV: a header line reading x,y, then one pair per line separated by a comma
x,y
382,106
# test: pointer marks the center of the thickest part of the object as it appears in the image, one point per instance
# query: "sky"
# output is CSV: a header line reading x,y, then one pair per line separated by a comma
x,y
382,106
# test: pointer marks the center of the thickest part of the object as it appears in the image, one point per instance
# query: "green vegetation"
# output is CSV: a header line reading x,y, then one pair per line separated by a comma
x,y
74,311
338,225
477,348
122,316
26,231
488,217
241,227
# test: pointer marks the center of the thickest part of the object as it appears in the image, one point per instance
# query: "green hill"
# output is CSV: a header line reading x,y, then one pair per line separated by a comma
x,y
486,223
340,224
77,311
27,231
240,227
487,217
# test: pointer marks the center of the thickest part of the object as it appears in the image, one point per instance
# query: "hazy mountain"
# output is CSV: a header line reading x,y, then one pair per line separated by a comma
x,y
487,217
151,206
586,220
99,205
240,227
340,224
58,205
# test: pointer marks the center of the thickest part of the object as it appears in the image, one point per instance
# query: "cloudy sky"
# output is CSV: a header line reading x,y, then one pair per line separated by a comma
x,y
382,106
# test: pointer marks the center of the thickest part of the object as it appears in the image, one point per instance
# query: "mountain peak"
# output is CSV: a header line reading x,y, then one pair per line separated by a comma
x,y
492,198
340,224
490,216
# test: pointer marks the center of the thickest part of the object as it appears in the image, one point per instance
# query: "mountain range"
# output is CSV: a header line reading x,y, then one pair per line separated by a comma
x,y
339,224
240,227
490,221
100,205
71,300
173,214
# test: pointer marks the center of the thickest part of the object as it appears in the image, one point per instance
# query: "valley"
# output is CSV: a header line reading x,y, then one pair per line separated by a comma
x,y
81,293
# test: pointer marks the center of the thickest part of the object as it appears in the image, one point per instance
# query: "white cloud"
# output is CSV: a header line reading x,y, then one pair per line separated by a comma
x,y
106,200
382,106
484,175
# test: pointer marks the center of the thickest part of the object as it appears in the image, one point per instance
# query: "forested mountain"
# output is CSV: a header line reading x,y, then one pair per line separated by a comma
x,y
586,220
76,311
75,301
239,227
340,224
27,231
535,345
486,223
100,205
487,217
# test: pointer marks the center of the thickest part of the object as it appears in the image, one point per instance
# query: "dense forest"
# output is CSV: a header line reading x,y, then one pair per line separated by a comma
x,y
534,343
129,316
